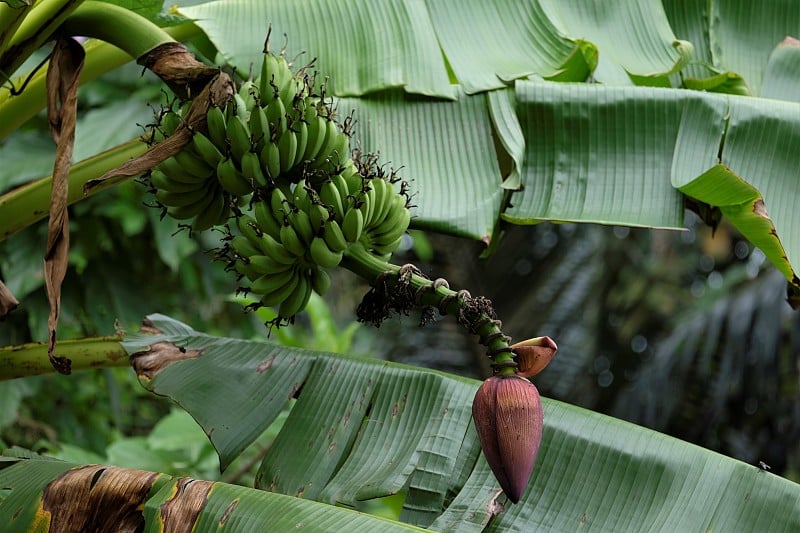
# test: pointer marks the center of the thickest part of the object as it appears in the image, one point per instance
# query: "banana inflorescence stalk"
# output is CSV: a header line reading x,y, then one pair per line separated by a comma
x,y
274,168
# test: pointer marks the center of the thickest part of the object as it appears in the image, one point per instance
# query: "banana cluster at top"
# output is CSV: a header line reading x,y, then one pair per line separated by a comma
x,y
278,162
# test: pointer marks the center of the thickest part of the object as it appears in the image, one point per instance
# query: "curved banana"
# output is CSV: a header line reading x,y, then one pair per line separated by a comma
x,y
276,250
263,264
161,181
181,199
353,224
176,172
217,129
259,128
270,158
251,169
320,281
334,237
329,195
215,213
266,219
281,293
291,241
244,247
206,149
238,137
301,222
287,146
322,255
231,179
297,300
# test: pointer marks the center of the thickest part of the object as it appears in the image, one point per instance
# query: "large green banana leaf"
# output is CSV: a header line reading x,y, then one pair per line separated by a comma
x,y
48,495
616,153
364,428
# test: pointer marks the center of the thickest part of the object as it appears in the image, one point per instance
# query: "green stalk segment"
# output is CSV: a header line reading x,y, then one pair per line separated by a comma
x,y
10,20
361,262
101,57
31,359
29,203
35,29
116,25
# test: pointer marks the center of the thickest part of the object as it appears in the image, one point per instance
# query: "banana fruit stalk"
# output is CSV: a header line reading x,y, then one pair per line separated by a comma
x,y
274,167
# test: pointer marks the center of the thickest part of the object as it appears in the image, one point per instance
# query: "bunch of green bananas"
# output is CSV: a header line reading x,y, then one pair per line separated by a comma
x,y
277,158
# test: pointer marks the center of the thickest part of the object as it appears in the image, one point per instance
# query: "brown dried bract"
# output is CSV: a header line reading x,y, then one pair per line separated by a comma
x,y
97,498
179,514
160,355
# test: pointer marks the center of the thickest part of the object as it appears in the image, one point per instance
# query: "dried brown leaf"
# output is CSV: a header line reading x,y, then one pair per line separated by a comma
x,y
63,75
7,301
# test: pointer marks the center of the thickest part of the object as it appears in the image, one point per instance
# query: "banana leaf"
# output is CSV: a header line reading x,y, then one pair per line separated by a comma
x,y
365,428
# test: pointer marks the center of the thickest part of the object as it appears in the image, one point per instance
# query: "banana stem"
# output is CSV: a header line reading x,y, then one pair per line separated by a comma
x,y
101,57
10,20
29,203
116,25
429,293
31,359
35,29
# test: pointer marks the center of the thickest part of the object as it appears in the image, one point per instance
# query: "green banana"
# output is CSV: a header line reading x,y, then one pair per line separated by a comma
x,y
329,195
344,190
193,164
269,282
395,225
248,92
383,201
281,293
317,128
318,215
259,128
300,196
266,219
353,224
297,300
162,182
217,129
302,141
276,115
263,264
181,199
329,139
246,269
287,146
291,241
302,224
206,149
386,249
187,211
238,137
322,255
320,281
176,172
334,237
266,81
244,247
231,179
270,158
236,107
276,250
214,214
279,204
251,169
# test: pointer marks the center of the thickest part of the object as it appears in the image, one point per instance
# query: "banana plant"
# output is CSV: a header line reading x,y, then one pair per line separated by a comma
x,y
531,140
